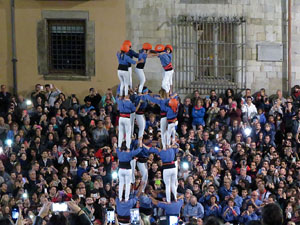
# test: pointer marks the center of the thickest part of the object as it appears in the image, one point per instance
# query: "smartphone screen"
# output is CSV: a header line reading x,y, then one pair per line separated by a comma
x,y
94,195
15,214
92,123
173,220
110,215
134,216
60,207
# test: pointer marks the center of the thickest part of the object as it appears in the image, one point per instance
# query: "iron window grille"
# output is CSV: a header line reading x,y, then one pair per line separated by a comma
x,y
209,53
66,46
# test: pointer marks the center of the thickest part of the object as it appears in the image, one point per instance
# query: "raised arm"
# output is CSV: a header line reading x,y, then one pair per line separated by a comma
x,y
140,190
154,100
138,106
154,150
118,151
154,201
135,152
135,54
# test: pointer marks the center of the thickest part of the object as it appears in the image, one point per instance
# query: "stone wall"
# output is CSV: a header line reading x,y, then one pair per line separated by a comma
x,y
149,21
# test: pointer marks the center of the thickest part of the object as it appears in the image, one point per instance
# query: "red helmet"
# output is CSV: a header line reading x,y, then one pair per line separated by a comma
x,y
159,48
169,47
173,103
125,48
127,42
147,46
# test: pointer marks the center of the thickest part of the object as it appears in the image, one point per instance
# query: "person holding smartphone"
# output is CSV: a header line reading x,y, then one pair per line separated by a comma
x,y
51,93
80,217
89,208
111,217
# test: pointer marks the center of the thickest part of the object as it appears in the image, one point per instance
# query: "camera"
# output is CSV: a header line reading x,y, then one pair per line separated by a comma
x,y
67,152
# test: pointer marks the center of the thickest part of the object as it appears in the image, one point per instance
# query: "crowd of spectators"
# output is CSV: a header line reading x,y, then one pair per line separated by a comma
x,y
239,151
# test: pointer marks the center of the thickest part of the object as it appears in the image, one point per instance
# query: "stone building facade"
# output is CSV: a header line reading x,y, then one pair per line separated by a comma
x,y
266,23
113,21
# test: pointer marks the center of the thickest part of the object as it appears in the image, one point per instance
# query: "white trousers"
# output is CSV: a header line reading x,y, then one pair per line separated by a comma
x,y
132,119
167,80
133,164
124,80
144,171
130,76
142,79
124,129
163,129
124,179
141,122
171,132
170,177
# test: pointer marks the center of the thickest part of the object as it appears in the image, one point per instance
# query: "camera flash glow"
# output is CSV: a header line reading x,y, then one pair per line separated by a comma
x,y
185,165
8,142
247,131
114,175
28,102
24,195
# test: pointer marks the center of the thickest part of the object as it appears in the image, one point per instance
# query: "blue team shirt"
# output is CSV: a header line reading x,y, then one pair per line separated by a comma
x,y
127,156
136,99
142,55
172,208
166,156
145,202
223,192
123,208
144,153
132,54
170,113
165,59
215,211
246,218
229,217
125,106
124,59
161,102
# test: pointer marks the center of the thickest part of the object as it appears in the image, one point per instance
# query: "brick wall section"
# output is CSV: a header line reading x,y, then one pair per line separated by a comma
x,y
147,21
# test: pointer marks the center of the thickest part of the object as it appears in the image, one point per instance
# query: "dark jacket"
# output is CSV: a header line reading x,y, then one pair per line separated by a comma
x,y
182,111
